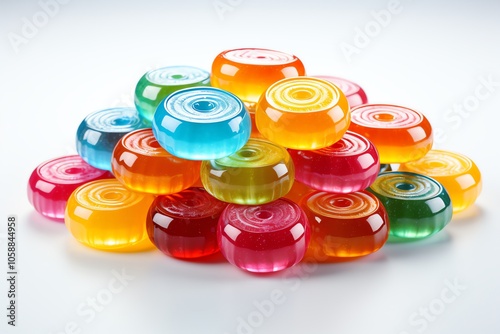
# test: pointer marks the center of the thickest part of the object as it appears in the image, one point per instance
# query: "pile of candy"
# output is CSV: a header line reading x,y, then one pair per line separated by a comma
x,y
256,160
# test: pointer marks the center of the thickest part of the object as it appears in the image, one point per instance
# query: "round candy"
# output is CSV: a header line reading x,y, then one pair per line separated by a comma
x,y
104,214
141,164
258,173
456,172
345,225
184,225
399,133
99,132
263,238
52,182
418,206
157,84
202,123
349,165
352,91
248,72
303,113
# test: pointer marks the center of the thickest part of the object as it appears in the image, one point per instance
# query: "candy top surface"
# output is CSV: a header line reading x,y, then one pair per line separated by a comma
x,y
189,203
261,57
203,105
120,120
349,145
177,75
105,195
346,86
441,163
255,153
385,116
68,170
143,142
270,217
342,206
406,185
303,95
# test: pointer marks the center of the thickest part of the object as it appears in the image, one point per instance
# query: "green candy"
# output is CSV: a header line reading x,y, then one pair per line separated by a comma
x,y
418,206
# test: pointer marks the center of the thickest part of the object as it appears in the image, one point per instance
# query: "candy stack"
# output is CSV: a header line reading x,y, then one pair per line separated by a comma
x,y
256,160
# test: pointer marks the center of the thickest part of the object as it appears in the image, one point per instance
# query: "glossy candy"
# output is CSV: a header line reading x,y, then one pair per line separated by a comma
x,y
105,215
345,225
52,182
352,91
183,225
349,165
258,173
418,206
202,123
99,132
303,113
248,72
399,133
457,173
156,85
263,238
141,164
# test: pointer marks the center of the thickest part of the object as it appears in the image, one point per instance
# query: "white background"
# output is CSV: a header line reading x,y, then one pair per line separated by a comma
x,y
89,55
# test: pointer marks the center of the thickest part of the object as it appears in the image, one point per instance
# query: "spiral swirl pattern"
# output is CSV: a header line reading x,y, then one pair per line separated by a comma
x,y
343,206
143,142
105,195
385,116
269,217
441,163
203,105
406,185
120,119
255,153
303,95
258,57
190,203
68,170
177,75
350,144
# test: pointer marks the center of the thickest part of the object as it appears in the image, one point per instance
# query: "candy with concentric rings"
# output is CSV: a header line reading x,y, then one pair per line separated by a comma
x,y
303,113
202,123
352,91
248,72
183,225
456,172
418,206
156,85
99,132
345,225
349,165
258,173
141,164
263,238
400,134
103,214
52,182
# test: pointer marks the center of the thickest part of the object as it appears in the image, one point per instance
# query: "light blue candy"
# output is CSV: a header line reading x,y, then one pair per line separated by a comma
x,y
201,123
99,132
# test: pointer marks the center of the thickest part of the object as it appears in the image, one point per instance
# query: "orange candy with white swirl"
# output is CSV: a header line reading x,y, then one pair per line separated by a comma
x,y
303,113
399,133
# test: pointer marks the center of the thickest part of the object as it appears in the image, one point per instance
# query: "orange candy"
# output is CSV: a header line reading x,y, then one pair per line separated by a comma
x,y
399,133
141,164
303,113
458,174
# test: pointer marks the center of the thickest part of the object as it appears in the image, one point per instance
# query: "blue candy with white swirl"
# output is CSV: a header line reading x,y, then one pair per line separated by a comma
x,y
99,132
202,123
